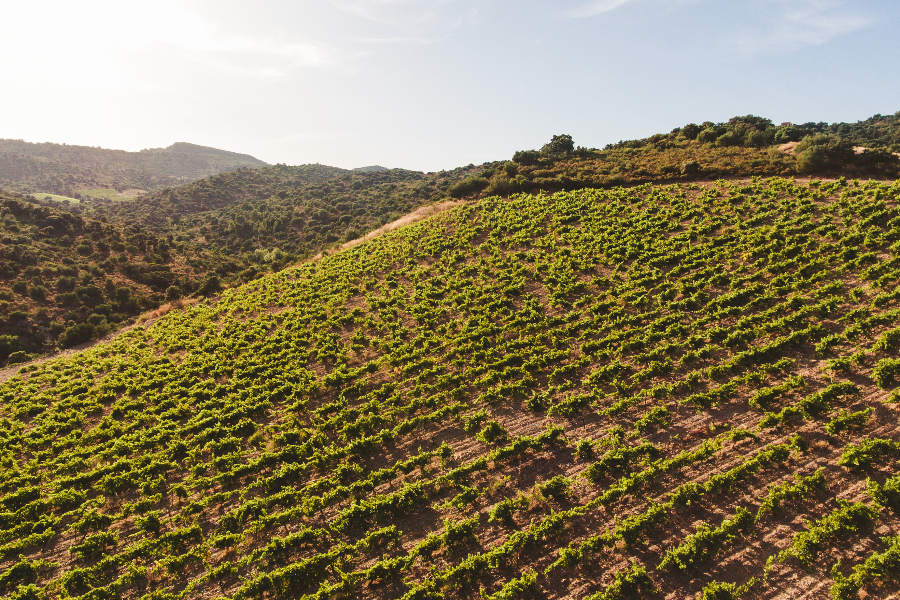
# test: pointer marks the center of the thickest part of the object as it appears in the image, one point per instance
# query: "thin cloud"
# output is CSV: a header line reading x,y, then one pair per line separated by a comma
x,y
412,41
417,21
801,23
592,9
202,42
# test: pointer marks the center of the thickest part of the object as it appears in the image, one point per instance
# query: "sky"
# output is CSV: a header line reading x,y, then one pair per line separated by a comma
x,y
431,84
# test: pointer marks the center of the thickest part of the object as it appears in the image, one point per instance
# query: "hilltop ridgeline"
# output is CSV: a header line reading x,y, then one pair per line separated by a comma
x,y
684,390
74,171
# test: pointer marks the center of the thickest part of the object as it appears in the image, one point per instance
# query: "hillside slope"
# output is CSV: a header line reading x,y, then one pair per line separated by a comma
x,y
66,279
594,394
297,210
243,223
69,170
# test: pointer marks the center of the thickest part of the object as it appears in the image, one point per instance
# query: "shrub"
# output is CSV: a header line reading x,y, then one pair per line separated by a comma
x,y
20,287
727,139
889,341
690,168
707,136
38,292
468,187
789,134
17,357
174,292
823,152
691,131
866,452
67,299
492,432
559,144
526,157
885,372
8,345
500,186
77,334
756,139
846,420
631,583
94,545
556,488
211,286
887,495
584,450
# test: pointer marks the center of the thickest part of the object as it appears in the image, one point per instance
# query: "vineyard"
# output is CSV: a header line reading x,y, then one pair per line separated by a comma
x,y
667,391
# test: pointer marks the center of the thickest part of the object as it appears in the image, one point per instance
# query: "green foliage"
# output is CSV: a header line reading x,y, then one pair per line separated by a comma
x,y
515,588
492,432
658,416
718,590
559,144
631,583
467,187
800,490
8,345
77,334
846,519
67,170
556,488
823,152
889,341
706,541
313,432
878,566
846,420
887,495
887,372
867,451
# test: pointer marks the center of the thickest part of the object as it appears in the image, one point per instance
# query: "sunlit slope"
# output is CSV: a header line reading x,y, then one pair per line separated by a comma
x,y
64,169
590,395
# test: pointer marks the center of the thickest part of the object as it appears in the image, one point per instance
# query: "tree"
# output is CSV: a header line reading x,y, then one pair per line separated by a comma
x,y
560,144
822,152
468,187
8,345
691,131
77,334
211,286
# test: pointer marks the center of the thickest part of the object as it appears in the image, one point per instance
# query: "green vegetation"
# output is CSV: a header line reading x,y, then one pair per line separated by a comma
x,y
238,223
260,215
62,169
66,279
406,418
105,193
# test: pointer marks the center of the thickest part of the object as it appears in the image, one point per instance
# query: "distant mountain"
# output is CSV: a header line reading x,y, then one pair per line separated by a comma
x,y
370,169
186,148
71,170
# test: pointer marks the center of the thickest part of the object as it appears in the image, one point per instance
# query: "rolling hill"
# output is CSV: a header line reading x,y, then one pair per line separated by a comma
x,y
657,391
234,226
67,279
75,171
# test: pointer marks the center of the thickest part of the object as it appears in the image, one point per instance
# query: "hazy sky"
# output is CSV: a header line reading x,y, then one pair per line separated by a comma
x,y
431,84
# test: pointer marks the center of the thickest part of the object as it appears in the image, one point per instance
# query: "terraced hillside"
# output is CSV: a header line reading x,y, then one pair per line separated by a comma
x,y
651,392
